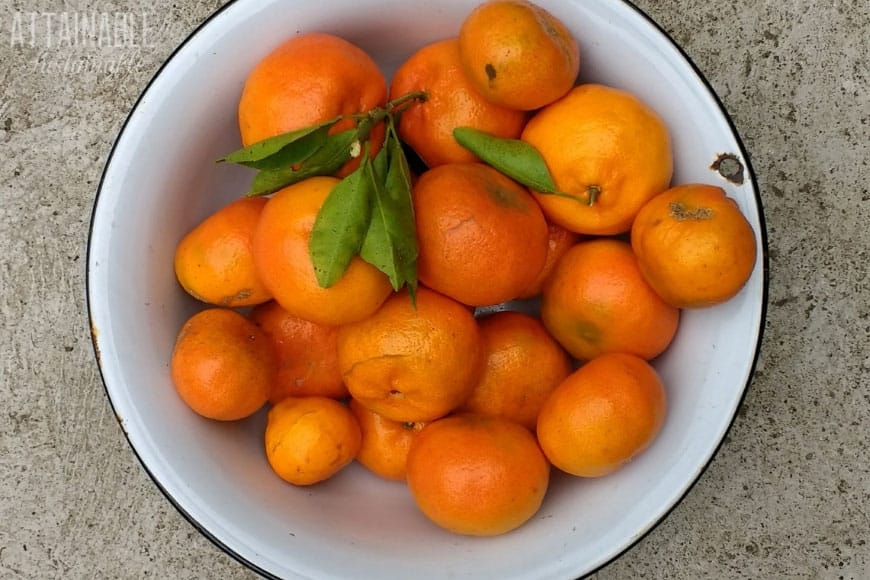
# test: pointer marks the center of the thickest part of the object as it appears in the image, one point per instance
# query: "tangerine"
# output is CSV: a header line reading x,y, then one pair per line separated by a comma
x,y
477,475
412,362
523,366
517,54
451,102
283,261
597,301
214,261
309,79
223,366
606,148
694,245
307,354
603,415
385,443
310,439
482,237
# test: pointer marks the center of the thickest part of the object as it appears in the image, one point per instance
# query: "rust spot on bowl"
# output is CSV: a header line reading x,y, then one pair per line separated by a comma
x,y
730,167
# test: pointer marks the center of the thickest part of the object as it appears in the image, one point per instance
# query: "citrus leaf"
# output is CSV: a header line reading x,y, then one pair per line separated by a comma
x,y
513,157
283,150
341,225
391,241
328,159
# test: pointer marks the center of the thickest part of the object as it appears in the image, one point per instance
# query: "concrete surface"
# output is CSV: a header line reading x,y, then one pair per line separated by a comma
x,y
788,496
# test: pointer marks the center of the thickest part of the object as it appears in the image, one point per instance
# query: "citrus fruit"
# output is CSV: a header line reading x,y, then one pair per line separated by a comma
x,y
518,54
223,366
603,415
385,443
596,300
309,439
482,237
412,362
608,149
694,245
309,79
558,241
477,475
307,354
283,262
523,365
214,261
427,127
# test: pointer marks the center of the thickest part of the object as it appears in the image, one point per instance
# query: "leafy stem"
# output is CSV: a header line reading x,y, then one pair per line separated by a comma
x,y
369,213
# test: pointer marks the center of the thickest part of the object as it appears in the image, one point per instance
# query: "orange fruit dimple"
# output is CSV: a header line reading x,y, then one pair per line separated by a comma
x,y
214,261
223,366
451,102
306,80
604,414
477,475
597,301
608,149
385,443
310,439
482,237
307,354
518,54
694,245
523,365
412,363
283,262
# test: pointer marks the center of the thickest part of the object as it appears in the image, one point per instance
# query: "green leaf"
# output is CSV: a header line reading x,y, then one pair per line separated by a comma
x,y
341,226
282,151
513,157
391,241
328,159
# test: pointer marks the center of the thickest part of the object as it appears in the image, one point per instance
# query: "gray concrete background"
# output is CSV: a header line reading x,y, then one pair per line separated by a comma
x,y
788,495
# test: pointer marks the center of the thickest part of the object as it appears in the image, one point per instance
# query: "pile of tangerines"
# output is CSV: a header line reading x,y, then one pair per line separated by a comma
x,y
378,348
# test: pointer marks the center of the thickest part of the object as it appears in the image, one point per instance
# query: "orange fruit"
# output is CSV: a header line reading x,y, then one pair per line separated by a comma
x,y
603,415
523,365
307,354
306,80
517,54
694,245
385,443
284,264
412,362
597,301
310,439
559,240
477,475
222,365
608,149
427,127
214,261
482,238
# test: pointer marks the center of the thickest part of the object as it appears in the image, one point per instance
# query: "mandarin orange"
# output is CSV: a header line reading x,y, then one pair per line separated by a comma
x,y
223,366
482,237
597,301
694,245
603,415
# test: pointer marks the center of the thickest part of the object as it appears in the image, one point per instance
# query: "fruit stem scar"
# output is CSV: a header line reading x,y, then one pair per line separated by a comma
x,y
490,72
592,193
680,212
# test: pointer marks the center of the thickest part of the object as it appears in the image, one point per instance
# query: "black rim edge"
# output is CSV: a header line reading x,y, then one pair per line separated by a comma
x,y
635,541
765,272
223,547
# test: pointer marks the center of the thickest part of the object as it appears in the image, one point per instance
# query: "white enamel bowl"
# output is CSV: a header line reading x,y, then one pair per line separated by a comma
x,y
161,179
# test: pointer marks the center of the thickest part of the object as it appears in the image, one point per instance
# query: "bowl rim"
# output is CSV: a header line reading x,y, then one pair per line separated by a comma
x,y
764,272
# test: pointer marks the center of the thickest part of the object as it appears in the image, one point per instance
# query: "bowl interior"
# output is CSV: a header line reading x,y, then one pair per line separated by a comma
x,y
161,180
